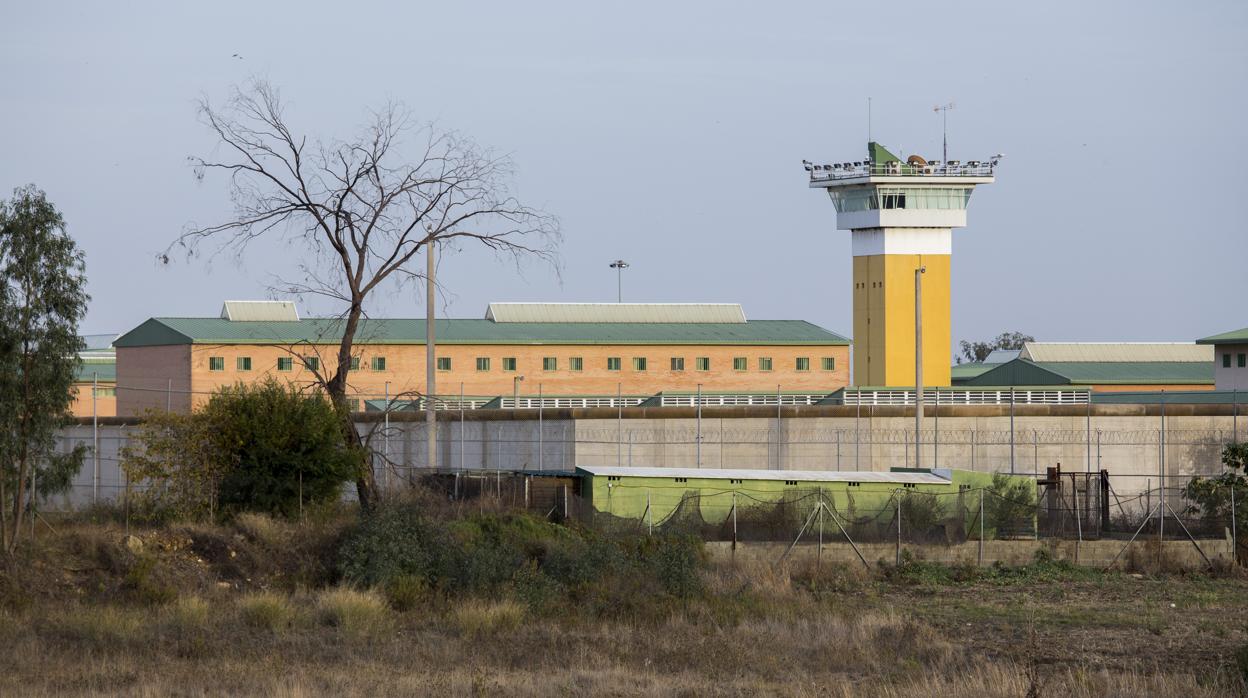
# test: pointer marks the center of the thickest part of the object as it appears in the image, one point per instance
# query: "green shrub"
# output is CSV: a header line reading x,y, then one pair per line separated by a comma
x,y
143,581
406,592
530,559
263,447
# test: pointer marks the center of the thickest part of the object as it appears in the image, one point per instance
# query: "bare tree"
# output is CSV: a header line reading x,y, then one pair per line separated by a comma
x,y
362,208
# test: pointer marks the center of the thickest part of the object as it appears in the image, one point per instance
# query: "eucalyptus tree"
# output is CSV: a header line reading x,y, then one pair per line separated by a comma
x,y
362,208
42,298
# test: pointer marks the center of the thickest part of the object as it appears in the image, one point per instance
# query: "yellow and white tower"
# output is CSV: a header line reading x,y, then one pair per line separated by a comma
x,y
902,216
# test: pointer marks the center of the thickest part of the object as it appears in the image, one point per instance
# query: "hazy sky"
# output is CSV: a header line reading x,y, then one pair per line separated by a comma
x,y
671,135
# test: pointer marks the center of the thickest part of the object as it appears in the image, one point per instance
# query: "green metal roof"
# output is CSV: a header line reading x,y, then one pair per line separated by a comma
x,y
963,372
168,331
1024,372
1232,337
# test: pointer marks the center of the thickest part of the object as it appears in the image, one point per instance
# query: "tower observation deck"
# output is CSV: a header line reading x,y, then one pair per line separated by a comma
x,y
901,216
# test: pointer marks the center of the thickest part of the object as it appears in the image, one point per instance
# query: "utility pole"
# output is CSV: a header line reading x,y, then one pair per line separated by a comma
x,y
918,363
431,417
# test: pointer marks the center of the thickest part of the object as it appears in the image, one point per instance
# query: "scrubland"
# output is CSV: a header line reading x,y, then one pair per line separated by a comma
x,y
430,599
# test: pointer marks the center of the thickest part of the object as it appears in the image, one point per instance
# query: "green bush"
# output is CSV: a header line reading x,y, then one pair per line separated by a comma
x,y
265,448
533,560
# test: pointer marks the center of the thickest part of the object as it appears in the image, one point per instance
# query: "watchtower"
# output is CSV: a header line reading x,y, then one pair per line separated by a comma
x,y
901,216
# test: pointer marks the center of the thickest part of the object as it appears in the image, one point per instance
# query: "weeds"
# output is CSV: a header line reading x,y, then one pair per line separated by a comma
x,y
476,617
267,611
358,614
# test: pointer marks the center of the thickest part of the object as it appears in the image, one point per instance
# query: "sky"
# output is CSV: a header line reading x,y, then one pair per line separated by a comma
x,y
671,135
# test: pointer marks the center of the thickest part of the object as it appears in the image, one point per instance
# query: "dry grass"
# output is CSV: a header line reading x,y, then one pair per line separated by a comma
x,y
357,614
262,529
479,617
267,610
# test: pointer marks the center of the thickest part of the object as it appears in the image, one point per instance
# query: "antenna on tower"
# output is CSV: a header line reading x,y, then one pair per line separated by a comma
x,y
868,119
944,129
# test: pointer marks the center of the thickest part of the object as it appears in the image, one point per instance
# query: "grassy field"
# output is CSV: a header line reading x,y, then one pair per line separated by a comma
x,y
261,607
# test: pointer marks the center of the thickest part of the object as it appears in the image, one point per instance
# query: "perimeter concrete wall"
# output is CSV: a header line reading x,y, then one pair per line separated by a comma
x,y
1126,440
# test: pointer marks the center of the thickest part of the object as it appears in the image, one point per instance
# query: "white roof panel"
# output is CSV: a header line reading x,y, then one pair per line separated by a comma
x,y
259,311
616,312
936,477
1117,351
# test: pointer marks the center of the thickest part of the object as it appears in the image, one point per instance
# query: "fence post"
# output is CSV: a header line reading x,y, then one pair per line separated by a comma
x,y
1234,532
34,494
619,424
1074,493
461,426
95,444
649,511
898,496
857,437
734,525
972,450
541,464
819,555
907,443
1012,430
779,464
981,527
838,449
698,437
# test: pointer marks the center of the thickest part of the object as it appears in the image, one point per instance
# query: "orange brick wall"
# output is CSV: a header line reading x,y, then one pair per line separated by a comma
x,y
405,369
1150,388
105,405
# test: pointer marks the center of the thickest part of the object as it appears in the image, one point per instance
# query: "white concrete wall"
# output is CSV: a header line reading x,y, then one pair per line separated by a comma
x,y
1233,378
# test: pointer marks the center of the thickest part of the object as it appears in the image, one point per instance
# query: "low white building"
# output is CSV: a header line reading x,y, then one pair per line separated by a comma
x,y
1230,359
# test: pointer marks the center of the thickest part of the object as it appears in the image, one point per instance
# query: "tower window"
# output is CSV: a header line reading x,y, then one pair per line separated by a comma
x,y
509,363
739,363
576,363
803,363
613,363
550,363
764,363
639,363
702,363
444,363
216,363
678,363
379,363
483,363
829,363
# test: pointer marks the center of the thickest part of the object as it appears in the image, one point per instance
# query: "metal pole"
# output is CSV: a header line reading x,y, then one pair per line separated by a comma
x,y
898,496
981,527
630,448
1035,453
169,395
698,436
1011,430
431,417
857,437
1098,450
734,521
1089,436
385,439
1234,533
936,431
1235,416
650,512
95,442
619,424
1161,478
778,463
972,449
461,425
918,364
1074,493
838,449
541,463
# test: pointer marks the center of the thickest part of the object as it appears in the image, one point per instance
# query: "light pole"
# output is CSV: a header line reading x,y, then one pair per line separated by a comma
x,y
619,266
944,130
515,391
918,362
